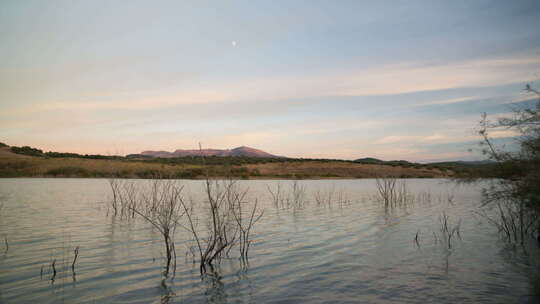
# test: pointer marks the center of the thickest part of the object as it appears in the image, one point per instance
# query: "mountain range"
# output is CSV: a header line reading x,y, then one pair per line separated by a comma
x,y
239,151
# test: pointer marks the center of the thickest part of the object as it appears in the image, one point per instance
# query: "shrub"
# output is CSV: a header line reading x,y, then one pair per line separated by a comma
x,y
26,150
516,192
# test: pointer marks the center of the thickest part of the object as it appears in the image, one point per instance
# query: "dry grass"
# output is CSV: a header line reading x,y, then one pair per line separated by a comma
x,y
315,169
12,164
5,152
15,165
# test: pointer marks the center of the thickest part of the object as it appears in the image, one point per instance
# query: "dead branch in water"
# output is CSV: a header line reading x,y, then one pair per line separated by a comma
x,y
393,193
54,269
278,198
163,210
448,230
76,252
227,226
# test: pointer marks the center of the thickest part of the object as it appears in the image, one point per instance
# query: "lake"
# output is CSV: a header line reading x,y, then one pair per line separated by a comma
x,y
352,250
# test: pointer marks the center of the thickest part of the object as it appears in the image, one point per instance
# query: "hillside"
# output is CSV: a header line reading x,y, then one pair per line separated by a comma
x,y
54,164
239,151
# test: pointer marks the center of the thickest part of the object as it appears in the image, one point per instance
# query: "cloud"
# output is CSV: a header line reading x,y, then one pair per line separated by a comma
x,y
274,108
441,139
416,139
392,79
447,101
503,134
413,77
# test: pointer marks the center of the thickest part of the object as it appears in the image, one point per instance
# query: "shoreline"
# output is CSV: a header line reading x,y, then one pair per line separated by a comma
x,y
223,178
14,165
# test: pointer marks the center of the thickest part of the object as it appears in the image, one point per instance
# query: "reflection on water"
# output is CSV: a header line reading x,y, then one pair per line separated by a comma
x,y
328,241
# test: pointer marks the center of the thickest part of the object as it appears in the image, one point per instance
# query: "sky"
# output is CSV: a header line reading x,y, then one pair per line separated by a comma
x,y
315,79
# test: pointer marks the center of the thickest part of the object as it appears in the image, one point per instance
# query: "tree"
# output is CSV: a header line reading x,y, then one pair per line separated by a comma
x,y
517,192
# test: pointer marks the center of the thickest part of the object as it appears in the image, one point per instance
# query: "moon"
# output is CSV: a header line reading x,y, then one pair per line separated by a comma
x,y
233,43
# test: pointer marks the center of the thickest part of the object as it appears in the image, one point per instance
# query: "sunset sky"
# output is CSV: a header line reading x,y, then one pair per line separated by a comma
x,y
318,79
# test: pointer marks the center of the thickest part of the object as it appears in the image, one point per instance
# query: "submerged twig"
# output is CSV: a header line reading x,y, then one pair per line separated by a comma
x,y
448,230
54,269
76,251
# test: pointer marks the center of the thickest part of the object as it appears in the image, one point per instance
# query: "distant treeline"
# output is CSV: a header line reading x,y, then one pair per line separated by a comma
x,y
26,150
245,160
470,170
208,160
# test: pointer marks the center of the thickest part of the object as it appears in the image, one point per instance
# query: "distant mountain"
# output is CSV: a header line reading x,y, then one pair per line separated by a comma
x,y
240,151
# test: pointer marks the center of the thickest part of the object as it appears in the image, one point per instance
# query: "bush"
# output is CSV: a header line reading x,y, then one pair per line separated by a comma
x,y
26,150
519,171
3,145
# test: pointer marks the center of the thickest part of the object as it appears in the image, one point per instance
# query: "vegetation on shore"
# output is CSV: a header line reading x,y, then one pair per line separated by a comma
x,y
516,194
32,162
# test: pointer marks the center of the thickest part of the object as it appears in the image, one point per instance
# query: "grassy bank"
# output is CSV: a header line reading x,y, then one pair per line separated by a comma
x,y
20,165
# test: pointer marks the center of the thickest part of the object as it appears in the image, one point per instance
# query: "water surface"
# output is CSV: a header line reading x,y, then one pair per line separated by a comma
x,y
355,251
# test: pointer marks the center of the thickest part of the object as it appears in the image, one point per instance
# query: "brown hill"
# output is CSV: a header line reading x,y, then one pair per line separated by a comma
x,y
239,151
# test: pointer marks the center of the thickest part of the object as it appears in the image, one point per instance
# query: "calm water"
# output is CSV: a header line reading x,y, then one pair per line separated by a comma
x,y
344,253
